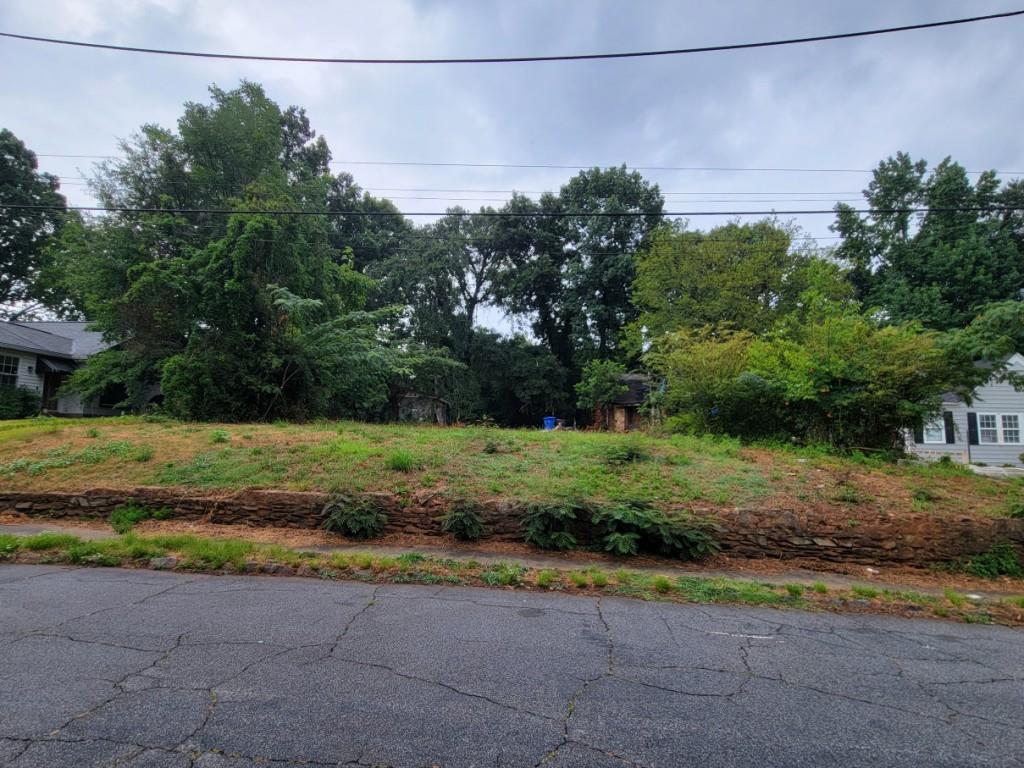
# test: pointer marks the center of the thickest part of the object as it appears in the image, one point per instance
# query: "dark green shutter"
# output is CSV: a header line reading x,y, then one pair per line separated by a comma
x,y
947,418
972,428
919,434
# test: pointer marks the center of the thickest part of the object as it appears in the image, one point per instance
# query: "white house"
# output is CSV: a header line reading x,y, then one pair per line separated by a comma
x,y
988,431
38,356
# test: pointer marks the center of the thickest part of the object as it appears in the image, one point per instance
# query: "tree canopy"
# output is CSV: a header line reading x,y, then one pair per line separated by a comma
x,y
276,288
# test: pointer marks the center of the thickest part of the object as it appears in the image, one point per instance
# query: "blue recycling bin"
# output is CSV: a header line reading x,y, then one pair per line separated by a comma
x,y
549,422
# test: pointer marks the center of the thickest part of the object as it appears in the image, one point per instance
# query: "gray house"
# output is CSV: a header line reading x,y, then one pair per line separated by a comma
x,y
38,356
989,431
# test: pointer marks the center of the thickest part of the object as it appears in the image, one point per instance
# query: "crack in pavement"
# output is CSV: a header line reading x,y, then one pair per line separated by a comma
x,y
752,660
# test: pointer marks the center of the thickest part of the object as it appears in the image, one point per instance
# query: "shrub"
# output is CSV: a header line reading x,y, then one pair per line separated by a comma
x,y
463,522
1001,560
355,519
625,524
92,432
402,461
622,544
124,518
18,403
220,436
547,526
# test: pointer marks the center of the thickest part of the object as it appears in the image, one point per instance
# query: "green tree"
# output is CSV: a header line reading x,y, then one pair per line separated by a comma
x,y
743,276
829,375
23,232
519,381
600,384
940,266
573,273
254,315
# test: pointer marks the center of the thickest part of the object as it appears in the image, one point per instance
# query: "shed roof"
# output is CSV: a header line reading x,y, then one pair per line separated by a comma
x,y
638,385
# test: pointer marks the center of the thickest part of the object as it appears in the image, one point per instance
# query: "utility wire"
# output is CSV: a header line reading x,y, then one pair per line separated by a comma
x,y
553,166
509,214
521,59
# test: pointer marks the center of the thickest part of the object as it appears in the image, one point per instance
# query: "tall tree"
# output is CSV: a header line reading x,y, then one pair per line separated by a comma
x,y
619,210
940,266
569,260
24,232
743,276
252,315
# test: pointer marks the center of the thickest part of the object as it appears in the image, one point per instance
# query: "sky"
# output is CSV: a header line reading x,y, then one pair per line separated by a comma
x,y
831,105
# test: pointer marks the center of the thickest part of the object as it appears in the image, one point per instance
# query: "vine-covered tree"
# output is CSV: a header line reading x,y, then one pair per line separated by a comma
x,y
24,232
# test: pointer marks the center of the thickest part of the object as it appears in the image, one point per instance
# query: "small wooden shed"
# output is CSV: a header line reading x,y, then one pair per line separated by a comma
x,y
623,413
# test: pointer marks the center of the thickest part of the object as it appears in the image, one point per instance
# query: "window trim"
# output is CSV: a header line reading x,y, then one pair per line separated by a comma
x,y
940,425
6,373
1000,430
1017,429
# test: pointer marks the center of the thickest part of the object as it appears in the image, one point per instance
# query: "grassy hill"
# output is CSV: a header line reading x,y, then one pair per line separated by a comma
x,y
58,454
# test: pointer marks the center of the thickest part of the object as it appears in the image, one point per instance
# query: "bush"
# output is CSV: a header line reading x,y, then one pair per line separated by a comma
x,y
220,436
1001,560
354,519
628,527
463,522
124,518
547,526
18,403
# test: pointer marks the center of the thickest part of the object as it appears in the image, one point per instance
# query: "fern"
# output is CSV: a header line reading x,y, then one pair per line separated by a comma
x,y
547,526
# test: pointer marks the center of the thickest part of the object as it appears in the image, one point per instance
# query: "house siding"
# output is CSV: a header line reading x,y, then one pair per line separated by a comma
x,y
996,397
26,361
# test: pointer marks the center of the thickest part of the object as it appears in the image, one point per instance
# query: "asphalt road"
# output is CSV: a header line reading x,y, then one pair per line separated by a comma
x,y
147,669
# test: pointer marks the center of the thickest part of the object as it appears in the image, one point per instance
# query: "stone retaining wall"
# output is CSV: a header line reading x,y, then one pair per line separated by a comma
x,y
872,538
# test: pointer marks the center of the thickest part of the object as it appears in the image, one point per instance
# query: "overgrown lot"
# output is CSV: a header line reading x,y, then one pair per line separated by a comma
x,y
57,454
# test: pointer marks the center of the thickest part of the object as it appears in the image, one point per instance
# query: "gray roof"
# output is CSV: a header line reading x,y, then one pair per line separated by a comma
x,y
58,338
638,385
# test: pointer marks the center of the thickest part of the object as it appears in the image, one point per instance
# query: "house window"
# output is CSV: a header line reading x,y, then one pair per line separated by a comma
x,y
9,371
988,431
935,431
1011,428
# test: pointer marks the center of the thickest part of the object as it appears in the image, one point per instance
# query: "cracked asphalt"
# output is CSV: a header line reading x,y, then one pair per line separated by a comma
x,y
148,669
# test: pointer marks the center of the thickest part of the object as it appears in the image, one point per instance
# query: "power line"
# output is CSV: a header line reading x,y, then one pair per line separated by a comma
x,y
557,167
508,214
72,181
520,59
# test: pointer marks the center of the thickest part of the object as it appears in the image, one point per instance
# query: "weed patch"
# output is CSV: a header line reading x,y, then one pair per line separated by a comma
x,y
463,521
357,519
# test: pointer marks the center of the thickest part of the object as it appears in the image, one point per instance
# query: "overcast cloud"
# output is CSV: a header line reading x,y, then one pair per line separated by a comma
x,y
847,104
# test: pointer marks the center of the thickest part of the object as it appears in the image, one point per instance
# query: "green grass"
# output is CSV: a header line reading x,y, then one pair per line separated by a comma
x,y
471,463
699,590
547,578
195,553
868,593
